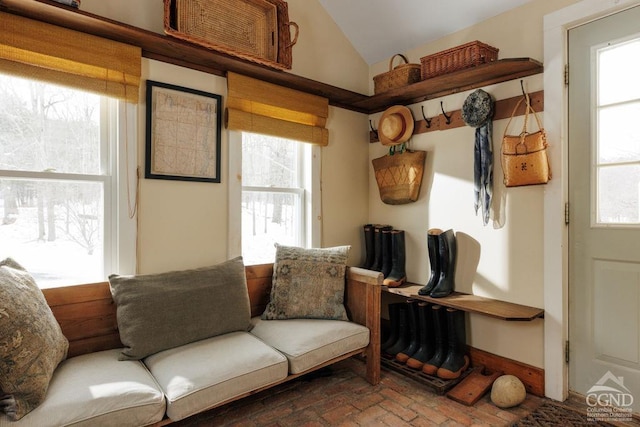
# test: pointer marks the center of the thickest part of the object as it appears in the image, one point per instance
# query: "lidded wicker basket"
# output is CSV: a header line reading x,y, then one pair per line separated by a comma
x,y
457,58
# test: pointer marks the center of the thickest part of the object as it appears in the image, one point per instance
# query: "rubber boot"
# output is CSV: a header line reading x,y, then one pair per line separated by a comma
x,y
398,275
387,259
457,360
377,246
414,333
434,261
394,310
427,341
440,337
369,247
447,248
403,331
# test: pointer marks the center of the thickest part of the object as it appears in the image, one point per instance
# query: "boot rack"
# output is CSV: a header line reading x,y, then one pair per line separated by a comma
x,y
474,381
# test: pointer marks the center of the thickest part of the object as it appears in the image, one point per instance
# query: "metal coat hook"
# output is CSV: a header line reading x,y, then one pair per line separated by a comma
x,y
426,119
448,117
373,130
522,87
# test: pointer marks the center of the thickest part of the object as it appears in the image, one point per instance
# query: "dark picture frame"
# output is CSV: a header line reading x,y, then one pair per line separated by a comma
x,y
183,133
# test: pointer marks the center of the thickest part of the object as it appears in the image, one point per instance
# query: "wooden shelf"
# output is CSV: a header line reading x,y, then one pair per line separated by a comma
x,y
473,304
458,81
178,52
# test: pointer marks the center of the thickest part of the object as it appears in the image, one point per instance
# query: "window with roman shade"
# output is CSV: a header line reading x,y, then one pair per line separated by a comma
x,y
259,107
42,51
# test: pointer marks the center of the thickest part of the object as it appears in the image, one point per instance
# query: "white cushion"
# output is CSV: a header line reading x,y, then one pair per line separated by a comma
x,y
203,374
97,389
308,343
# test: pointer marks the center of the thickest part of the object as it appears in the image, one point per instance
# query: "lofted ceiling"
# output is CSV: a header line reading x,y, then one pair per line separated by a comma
x,y
378,29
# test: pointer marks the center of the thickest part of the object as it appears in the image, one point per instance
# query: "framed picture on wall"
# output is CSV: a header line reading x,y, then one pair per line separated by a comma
x,y
183,133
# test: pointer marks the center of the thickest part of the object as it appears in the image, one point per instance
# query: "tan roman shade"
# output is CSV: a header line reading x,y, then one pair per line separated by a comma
x,y
58,55
260,107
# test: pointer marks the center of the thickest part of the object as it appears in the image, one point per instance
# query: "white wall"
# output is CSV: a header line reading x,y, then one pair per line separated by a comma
x,y
185,224
510,265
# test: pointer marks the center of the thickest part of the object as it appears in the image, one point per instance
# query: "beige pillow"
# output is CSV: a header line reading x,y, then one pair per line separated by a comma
x,y
157,312
31,342
308,283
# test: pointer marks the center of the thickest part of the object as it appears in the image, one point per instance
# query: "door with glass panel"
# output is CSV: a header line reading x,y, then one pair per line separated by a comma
x,y
604,200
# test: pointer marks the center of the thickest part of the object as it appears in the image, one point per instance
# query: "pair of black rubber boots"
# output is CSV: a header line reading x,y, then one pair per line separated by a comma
x,y
442,257
385,252
428,337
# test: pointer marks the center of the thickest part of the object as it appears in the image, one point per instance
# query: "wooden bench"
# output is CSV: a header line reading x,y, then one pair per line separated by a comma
x,y
87,314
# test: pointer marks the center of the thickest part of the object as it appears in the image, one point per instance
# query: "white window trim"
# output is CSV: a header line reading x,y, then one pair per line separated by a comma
x,y
313,208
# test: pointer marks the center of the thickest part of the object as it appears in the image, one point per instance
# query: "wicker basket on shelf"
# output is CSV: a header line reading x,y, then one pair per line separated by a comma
x,y
457,58
255,30
399,76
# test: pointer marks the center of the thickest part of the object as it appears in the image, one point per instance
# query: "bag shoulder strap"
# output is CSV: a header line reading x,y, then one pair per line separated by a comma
x,y
529,109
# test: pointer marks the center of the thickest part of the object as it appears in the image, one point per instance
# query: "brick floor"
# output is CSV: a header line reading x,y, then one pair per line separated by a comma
x,y
340,396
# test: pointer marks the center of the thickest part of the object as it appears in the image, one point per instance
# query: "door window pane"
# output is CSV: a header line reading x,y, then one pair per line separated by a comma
x,y
617,138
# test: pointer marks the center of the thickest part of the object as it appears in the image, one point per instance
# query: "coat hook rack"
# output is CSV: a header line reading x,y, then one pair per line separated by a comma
x,y
373,130
448,117
428,121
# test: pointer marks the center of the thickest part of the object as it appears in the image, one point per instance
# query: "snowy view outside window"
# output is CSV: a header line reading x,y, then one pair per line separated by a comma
x,y
273,196
53,181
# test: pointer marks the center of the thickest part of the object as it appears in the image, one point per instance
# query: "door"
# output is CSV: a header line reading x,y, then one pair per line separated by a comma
x,y
604,228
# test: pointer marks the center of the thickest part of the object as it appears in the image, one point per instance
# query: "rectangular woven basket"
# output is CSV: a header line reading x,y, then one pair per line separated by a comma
x,y
457,58
255,30
399,176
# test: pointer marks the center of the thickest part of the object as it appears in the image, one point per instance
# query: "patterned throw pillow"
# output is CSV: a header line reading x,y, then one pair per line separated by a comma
x,y
308,283
31,342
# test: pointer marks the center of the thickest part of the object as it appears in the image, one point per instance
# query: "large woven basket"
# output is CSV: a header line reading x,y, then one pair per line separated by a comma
x,y
255,30
399,176
399,76
457,58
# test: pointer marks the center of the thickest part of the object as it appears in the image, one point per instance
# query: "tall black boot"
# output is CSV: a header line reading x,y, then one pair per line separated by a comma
x,y
414,333
431,366
434,261
387,258
377,245
448,250
457,360
427,339
394,311
403,331
369,247
398,275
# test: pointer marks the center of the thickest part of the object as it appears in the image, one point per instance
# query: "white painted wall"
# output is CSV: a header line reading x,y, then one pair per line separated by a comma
x,y
511,258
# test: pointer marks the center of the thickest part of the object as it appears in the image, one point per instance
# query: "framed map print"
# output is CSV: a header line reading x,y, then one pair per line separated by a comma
x,y
183,133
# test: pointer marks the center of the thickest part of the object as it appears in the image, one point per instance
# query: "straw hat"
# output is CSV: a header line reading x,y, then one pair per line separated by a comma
x,y
396,125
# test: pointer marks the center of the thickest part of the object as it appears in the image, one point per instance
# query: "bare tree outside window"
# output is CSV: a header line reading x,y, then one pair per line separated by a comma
x,y
51,179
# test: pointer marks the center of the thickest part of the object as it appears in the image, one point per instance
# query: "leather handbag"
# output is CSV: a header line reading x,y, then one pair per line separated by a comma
x,y
524,156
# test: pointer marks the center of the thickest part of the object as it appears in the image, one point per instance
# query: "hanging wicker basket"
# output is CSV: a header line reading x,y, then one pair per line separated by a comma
x,y
399,176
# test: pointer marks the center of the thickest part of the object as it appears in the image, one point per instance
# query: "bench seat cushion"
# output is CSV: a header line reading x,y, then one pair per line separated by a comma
x,y
207,373
308,343
97,389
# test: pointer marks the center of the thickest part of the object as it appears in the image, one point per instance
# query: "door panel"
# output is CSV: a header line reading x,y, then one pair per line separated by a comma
x,y
604,199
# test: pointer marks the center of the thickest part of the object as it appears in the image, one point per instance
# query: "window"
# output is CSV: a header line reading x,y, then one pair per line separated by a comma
x,y
617,139
59,204
275,194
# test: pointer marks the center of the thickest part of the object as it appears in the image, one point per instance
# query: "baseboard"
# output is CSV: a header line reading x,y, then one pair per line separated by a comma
x,y
531,376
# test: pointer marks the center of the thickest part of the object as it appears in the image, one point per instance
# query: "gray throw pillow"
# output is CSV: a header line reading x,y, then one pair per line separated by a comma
x,y
31,342
308,283
156,312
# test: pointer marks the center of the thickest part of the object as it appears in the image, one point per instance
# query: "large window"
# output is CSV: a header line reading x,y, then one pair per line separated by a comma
x,y
275,192
59,209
